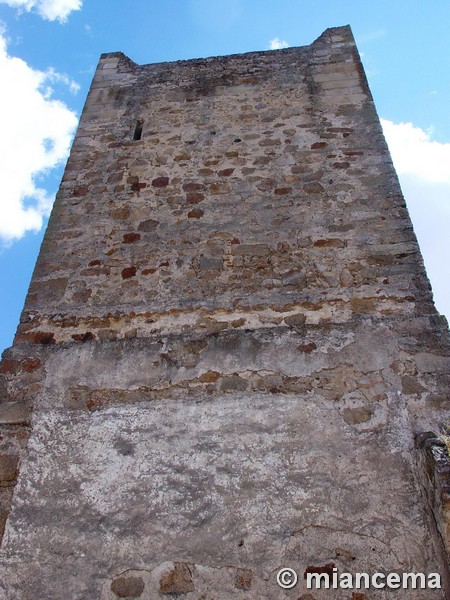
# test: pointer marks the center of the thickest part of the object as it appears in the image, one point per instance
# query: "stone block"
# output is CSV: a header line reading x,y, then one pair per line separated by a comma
x,y
14,413
8,468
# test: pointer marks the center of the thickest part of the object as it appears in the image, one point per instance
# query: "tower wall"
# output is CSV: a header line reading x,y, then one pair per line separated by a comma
x,y
229,345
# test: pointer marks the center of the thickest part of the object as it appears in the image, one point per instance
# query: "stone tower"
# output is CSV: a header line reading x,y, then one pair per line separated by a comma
x,y
229,360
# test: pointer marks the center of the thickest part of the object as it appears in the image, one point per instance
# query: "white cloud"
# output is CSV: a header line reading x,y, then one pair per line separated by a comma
x,y
51,10
414,152
55,77
36,136
423,167
277,44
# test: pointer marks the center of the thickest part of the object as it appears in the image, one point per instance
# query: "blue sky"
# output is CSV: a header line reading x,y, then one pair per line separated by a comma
x,y
49,50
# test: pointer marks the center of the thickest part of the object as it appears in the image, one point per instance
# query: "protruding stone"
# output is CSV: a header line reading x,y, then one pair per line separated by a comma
x,y
128,272
160,182
243,579
128,587
14,413
297,320
195,213
130,238
8,468
177,581
148,225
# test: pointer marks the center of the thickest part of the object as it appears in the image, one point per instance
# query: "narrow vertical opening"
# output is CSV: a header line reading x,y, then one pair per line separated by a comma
x,y
137,135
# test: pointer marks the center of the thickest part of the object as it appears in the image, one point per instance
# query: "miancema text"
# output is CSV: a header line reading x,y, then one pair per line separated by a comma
x,y
357,581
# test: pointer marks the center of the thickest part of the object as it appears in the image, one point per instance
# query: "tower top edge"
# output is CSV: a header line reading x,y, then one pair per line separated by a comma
x,y
340,34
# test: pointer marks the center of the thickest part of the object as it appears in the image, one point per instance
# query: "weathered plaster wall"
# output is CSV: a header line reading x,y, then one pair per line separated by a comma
x,y
229,344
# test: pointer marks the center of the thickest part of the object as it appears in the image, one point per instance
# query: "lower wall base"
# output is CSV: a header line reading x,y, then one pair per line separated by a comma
x,y
213,495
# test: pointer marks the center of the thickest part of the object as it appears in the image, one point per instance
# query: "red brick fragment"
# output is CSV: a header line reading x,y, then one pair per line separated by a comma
x,y
80,191
27,365
282,191
193,187
160,182
44,338
177,581
129,238
328,569
83,337
225,172
37,337
329,243
209,377
10,366
30,364
194,197
307,347
138,186
128,272
196,213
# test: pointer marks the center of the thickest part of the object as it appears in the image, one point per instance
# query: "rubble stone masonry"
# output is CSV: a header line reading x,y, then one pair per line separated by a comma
x,y
229,360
